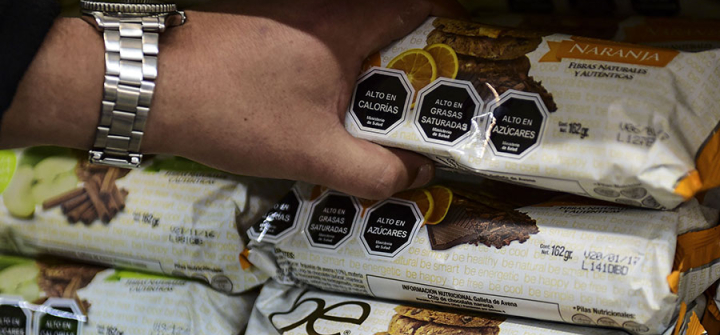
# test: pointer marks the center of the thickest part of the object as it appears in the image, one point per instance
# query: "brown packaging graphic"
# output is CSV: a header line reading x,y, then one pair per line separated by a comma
x,y
417,320
493,59
472,222
99,197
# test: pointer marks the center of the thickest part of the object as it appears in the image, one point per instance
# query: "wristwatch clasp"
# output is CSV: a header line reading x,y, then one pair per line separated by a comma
x,y
132,160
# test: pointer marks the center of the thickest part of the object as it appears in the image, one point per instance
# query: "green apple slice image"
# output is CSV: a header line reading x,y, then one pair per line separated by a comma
x,y
46,189
53,176
21,280
18,198
50,168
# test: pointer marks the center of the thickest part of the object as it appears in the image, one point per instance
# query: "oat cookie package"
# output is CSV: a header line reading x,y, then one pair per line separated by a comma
x,y
496,248
625,123
57,297
286,310
170,217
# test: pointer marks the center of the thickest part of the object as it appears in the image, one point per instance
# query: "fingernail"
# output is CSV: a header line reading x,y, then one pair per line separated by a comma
x,y
425,173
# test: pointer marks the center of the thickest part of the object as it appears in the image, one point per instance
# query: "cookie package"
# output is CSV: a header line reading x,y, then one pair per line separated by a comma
x,y
496,247
53,296
288,310
617,122
171,217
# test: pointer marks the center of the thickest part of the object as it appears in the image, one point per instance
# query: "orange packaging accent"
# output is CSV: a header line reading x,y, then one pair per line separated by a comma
x,y
694,250
711,317
584,48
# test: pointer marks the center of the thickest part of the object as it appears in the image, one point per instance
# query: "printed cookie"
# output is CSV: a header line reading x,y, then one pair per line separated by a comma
x,y
452,319
436,329
400,325
480,30
501,48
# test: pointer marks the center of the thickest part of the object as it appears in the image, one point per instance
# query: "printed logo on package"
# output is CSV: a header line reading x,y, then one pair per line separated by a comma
x,y
279,222
381,100
331,220
519,123
446,110
310,311
389,227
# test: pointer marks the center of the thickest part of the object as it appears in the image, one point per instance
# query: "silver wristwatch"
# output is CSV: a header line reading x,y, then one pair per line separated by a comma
x,y
131,30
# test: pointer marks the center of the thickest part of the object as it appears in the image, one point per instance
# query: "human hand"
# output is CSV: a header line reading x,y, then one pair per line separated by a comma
x,y
257,88
262,89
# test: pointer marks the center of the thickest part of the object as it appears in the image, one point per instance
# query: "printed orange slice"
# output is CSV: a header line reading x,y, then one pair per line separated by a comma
x,y
243,258
421,197
365,203
445,58
419,66
370,61
317,191
442,198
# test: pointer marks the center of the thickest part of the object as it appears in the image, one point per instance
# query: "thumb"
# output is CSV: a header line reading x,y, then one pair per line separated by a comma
x,y
370,171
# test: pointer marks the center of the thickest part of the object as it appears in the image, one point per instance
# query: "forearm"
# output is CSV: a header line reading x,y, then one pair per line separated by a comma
x,y
58,99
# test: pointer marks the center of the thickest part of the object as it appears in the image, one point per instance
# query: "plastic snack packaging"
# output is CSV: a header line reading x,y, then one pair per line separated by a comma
x,y
61,297
171,217
499,248
287,310
631,124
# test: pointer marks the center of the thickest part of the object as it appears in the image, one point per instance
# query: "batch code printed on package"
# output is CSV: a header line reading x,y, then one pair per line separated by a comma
x,y
497,248
173,216
625,123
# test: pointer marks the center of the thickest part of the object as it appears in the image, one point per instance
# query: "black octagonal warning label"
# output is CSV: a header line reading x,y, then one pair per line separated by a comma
x,y
446,110
331,221
278,222
13,318
519,122
389,227
381,100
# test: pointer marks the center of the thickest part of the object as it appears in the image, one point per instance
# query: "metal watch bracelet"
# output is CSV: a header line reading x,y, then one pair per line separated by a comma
x,y
131,49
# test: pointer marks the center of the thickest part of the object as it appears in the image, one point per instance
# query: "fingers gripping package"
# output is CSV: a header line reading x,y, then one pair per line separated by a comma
x,y
512,250
171,217
286,310
617,122
58,297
